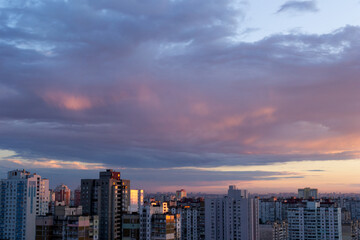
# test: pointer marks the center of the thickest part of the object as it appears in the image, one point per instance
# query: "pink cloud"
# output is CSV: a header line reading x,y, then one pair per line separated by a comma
x,y
69,101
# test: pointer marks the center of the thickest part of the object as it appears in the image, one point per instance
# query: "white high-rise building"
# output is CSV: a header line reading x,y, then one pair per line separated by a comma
x,y
314,221
235,216
23,196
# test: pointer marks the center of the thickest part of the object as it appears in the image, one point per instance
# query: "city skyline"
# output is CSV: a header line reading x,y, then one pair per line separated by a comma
x,y
263,96
107,207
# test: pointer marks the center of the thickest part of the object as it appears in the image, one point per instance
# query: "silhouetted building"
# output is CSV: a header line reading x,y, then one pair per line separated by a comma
x,y
131,226
77,197
109,198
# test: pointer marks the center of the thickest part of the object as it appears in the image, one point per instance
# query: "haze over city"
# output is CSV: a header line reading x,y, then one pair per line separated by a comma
x,y
183,94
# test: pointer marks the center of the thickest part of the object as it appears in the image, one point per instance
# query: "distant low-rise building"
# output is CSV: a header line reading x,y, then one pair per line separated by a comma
x,y
308,193
180,194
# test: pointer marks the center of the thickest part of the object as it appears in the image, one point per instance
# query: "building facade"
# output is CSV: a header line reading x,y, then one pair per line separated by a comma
x,y
270,210
233,217
131,226
23,196
158,225
136,200
315,222
192,218
77,197
109,198
308,193
180,194
62,194
67,223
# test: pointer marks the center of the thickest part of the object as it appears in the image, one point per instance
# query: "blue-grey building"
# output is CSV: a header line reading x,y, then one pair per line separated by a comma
x,y
23,196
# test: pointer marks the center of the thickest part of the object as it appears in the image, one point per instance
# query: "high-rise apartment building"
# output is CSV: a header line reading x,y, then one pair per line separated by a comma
x,y
308,193
192,218
313,221
234,216
136,200
164,227
109,198
270,210
157,225
23,196
62,194
146,213
353,207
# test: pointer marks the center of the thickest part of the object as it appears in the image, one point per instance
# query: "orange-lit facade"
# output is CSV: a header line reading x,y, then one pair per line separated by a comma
x,y
62,194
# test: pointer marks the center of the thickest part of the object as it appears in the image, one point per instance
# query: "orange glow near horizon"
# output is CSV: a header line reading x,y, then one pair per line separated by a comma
x,y
327,176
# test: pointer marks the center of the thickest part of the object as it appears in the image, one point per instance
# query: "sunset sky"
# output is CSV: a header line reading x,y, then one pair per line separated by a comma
x,y
194,94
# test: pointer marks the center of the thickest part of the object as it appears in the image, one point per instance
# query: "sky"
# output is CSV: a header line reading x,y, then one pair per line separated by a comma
x,y
194,94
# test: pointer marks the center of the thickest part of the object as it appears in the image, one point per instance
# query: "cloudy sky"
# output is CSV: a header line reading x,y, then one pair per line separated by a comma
x,y
197,94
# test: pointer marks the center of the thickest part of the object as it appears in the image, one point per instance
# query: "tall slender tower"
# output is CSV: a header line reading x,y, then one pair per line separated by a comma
x,y
109,198
23,196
